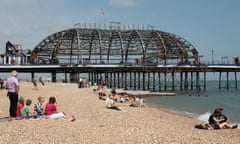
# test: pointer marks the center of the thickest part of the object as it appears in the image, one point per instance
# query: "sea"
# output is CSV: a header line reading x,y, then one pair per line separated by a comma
x,y
199,105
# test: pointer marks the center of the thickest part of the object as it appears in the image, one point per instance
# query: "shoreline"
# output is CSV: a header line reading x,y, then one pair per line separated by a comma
x,y
97,124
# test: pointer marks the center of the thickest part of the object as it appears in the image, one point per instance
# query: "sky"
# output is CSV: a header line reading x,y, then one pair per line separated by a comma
x,y
211,26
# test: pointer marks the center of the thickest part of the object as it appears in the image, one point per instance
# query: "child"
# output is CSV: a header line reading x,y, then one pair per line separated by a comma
x,y
39,107
25,110
19,106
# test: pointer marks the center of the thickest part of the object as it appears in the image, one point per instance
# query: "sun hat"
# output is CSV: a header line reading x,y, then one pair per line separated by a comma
x,y
14,73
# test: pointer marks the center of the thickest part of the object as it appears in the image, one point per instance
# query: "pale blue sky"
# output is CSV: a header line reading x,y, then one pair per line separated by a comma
x,y
207,24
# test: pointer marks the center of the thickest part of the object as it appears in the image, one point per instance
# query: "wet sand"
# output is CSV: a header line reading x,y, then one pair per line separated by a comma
x,y
97,124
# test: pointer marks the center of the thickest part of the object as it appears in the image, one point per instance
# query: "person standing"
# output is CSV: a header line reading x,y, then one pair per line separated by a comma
x,y
12,86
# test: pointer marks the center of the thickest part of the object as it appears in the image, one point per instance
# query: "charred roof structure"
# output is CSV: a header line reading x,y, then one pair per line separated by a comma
x,y
113,46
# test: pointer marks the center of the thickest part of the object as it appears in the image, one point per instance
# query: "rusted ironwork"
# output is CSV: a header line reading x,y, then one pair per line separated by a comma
x,y
116,46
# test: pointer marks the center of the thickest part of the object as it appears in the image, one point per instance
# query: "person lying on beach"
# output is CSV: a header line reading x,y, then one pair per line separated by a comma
x,y
137,102
52,113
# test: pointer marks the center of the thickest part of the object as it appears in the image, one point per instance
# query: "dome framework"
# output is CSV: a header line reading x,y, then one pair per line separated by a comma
x,y
112,46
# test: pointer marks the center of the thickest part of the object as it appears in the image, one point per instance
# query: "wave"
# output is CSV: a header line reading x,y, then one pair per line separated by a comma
x,y
204,116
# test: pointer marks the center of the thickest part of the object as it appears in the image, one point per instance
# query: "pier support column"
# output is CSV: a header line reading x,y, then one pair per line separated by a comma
x,y
118,80
154,83
54,77
236,85
186,81
159,81
148,86
65,77
130,79
181,81
143,80
32,76
219,83
125,81
74,77
139,80
227,80
95,77
173,81
114,79
135,81
165,81
197,81
205,85
122,78
191,80
111,80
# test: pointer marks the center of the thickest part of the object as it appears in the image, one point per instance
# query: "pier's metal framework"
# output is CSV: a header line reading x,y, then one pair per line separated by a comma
x,y
130,59
113,46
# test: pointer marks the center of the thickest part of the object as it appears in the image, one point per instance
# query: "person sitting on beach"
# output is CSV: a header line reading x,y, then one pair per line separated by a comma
x,y
25,111
52,113
219,121
39,107
103,92
113,91
20,106
109,102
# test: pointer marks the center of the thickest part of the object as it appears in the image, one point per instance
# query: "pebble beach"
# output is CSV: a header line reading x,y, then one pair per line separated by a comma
x,y
95,124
